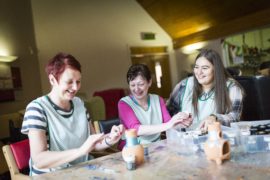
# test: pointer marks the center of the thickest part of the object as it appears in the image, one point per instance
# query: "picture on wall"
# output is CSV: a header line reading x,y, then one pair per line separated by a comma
x,y
16,77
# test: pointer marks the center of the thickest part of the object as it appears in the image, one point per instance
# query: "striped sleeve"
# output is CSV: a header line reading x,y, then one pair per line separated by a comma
x,y
34,118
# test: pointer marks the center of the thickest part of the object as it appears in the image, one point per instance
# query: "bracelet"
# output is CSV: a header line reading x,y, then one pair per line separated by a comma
x,y
106,142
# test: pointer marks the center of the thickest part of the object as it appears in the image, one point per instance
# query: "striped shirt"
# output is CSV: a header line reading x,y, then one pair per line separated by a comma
x,y
38,117
174,103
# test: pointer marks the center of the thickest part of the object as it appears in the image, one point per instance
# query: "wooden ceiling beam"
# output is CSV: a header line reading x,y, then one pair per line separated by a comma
x,y
221,30
191,21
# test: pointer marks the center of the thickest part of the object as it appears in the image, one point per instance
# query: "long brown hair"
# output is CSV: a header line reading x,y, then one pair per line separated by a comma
x,y
222,100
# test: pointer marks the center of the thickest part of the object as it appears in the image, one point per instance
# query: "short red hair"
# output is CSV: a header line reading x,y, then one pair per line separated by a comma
x,y
57,65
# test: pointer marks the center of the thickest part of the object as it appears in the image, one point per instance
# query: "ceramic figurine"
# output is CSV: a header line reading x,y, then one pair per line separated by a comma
x,y
216,148
133,147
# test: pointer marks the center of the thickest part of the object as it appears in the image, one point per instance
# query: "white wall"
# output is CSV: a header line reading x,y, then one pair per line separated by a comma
x,y
98,34
17,39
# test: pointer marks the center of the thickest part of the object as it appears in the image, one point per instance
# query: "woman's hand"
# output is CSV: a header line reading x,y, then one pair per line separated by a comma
x,y
115,134
187,121
182,118
204,124
90,143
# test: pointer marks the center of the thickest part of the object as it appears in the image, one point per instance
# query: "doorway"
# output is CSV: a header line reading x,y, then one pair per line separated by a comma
x,y
157,60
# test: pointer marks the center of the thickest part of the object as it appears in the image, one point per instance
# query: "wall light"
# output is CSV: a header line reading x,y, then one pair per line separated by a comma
x,y
8,58
189,49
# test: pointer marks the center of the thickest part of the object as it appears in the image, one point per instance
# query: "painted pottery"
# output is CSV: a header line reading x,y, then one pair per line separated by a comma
x,y
133,147
216,148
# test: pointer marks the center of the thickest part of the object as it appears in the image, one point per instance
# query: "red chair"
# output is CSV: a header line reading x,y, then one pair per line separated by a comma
x,y
17,156
111,98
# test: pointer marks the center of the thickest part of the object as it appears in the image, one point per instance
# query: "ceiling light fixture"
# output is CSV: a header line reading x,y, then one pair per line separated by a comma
x,y
189,49
8,58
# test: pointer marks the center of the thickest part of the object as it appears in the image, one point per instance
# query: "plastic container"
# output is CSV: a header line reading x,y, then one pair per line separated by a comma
x,y
238,134
267,142
232,135
255,143
252,143
185,142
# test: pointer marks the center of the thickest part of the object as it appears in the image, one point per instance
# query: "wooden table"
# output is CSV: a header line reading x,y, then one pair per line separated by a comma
x,y
165,162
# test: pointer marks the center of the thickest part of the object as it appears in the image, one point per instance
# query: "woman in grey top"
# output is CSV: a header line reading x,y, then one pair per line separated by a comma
x,y
210,94
58,125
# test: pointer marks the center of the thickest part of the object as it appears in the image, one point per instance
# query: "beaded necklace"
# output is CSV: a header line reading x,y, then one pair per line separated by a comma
x,y
206,95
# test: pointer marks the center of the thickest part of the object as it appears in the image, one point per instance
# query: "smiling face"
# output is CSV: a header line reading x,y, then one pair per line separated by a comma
x,y
204,72
139,87
67,85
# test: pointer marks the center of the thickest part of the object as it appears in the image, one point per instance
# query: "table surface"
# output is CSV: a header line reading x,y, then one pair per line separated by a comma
x,y
165,162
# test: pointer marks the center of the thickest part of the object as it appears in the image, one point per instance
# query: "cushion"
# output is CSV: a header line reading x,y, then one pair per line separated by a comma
x,y
21,153
111,98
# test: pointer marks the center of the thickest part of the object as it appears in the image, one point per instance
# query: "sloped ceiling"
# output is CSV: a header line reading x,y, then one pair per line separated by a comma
x,y
191,21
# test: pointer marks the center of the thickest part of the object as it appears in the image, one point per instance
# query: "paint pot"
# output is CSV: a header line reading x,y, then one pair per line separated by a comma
x,y
267,140
267,131
262,127
146,151
130,162
253,131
